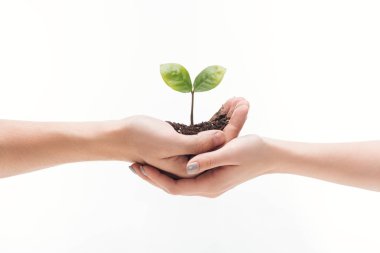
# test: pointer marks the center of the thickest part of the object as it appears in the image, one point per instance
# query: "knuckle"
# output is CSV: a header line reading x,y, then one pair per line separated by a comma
x,y
209,163
198,145
202,144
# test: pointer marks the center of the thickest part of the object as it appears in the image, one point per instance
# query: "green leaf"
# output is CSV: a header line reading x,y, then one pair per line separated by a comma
x,y
209,78
176,77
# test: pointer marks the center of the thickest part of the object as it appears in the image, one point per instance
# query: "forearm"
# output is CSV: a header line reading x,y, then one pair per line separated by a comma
x,y
355,164
28,146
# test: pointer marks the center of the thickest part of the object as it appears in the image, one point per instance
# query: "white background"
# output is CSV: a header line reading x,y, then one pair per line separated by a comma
x,y
309,68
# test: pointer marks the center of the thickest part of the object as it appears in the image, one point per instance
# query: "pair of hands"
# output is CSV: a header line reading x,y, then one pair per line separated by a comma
x,y
221,160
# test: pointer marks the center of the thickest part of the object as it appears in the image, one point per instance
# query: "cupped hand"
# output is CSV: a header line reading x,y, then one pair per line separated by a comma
x,y
151,141
239,160
155,142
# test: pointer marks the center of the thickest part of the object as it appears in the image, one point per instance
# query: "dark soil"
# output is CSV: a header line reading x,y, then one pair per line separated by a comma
x,y
218,122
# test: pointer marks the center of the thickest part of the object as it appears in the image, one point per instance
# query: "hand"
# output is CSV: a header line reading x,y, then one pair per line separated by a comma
x,y
239,160
236,109
155,142
151,141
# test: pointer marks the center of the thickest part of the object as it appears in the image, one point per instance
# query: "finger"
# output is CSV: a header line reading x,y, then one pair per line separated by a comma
x,y
175,165
164,182
139,170
232,105
217,181
229,106
187,187
202,142
237,120
226,108
210,184
209,160
237,114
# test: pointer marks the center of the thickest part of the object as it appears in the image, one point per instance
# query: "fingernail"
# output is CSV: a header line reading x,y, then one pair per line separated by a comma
x,y
142,170
219,139
238,105
132,169
192,168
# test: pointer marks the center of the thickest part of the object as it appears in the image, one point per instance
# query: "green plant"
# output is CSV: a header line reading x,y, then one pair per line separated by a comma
x,y
177,77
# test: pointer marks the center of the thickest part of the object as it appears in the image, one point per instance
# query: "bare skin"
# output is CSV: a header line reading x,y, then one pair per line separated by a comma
x,y
29,146
247,157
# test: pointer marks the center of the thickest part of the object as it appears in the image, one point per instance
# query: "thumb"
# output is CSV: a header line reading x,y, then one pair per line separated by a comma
x,y
203,142
207,161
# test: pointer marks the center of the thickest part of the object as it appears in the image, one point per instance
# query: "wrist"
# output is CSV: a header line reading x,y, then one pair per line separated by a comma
x,y
110,140
262,157
85,141
283,156
265,155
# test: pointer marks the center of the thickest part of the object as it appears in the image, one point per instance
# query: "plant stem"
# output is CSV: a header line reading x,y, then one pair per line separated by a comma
x,y
192,109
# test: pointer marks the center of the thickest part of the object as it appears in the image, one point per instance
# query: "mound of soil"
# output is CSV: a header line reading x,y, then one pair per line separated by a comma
x,y
218,122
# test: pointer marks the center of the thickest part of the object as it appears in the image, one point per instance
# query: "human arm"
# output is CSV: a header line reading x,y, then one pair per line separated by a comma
x,y
244,158
28,146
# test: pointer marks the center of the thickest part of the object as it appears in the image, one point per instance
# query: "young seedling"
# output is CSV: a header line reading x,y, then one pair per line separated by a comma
x,y
177,77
